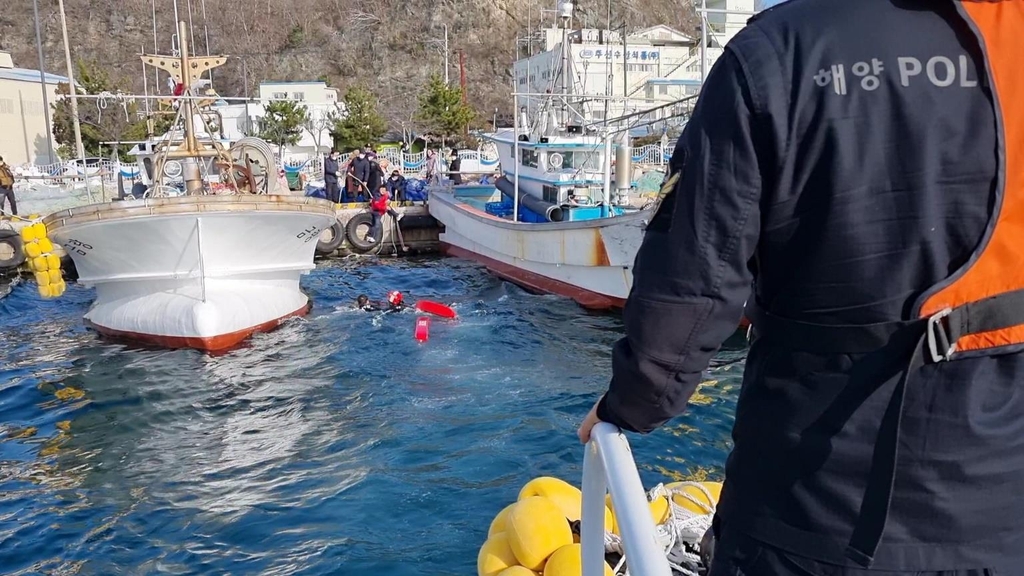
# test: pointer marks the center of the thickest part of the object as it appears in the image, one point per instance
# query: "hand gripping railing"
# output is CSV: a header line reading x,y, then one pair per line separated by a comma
x,y
608,466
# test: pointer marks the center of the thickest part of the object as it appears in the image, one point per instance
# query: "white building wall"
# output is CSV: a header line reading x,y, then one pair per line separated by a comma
x,y
660,65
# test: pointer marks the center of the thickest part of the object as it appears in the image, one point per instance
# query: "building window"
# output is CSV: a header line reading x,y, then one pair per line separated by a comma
x,y
663,90
279,95
299,95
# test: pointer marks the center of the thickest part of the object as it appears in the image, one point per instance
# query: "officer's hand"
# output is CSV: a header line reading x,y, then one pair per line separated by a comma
x,y
588,423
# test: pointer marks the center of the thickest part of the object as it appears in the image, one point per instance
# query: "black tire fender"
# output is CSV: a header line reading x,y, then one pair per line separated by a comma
x,y
11,239
358,243
325,247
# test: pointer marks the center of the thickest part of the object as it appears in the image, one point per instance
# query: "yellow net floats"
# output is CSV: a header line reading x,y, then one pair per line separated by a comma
x,y
42,260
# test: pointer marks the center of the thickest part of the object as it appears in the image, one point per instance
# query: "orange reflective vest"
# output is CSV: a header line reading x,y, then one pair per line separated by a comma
x,y
979,310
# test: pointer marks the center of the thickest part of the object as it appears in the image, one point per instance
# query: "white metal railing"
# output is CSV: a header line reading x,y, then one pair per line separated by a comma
x,y
412,165
608,466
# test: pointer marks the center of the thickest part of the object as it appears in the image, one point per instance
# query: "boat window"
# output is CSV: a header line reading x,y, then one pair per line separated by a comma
x,y
581,160
529,157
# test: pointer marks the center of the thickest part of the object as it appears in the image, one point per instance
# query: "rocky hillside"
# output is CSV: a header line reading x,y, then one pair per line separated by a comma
x,y
390,46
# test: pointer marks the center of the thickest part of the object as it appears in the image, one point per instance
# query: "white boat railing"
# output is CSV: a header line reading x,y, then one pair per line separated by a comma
x,y
414,165
608,467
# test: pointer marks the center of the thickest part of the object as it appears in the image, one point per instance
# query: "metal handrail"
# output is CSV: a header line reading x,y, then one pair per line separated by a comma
x,y
608,466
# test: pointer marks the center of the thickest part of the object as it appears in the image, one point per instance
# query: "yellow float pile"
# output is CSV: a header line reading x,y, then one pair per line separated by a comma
x,y
42,260
533,535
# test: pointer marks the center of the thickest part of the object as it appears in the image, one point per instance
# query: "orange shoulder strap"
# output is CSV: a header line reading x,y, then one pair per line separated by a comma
x,y
1000,265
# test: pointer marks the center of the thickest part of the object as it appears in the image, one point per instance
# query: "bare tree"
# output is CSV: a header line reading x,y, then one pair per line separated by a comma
x,y
320,121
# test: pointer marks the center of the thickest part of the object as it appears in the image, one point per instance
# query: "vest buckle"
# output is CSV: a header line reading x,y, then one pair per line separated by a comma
x,y
938,335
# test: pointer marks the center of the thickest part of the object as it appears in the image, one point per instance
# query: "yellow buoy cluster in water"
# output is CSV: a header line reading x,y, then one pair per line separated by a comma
x,y
532,536
42,260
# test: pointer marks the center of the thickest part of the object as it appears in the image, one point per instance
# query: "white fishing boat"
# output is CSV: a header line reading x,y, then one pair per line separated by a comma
x,y
556,223
204,266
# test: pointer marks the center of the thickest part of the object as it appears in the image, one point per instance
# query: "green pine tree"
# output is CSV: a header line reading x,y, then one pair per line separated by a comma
x,y
443,110
361,123
282,123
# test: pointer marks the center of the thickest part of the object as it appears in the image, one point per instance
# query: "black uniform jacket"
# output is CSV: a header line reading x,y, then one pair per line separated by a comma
x,y
841,160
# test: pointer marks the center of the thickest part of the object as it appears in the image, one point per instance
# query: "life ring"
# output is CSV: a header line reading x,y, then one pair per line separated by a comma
x,y
12,254
358,242
337,236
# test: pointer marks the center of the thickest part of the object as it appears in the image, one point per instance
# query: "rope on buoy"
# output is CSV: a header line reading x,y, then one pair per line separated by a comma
x,y
42,260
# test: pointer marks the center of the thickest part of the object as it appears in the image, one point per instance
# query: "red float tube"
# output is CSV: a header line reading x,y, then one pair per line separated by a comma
x,y
422,328
435,308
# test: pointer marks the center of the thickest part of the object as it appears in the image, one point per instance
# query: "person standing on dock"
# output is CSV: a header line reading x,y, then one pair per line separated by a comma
x,y
868,184
395,186
331,174
7,188
359,170
455,167
375,178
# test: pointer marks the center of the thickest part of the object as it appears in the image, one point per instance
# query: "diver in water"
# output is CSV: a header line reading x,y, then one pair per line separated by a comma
x,y
363,302
394,303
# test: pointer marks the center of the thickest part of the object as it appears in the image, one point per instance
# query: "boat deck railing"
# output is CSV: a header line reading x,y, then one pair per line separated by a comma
x,y
608,467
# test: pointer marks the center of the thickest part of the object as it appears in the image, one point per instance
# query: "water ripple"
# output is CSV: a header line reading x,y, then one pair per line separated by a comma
x,y
335,443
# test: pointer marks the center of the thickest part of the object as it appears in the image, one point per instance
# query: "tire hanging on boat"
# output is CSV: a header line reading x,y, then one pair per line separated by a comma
x,y
10,241
327,247
358,243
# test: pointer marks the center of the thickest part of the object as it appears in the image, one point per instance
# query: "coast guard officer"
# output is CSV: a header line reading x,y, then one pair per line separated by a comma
x,y
861,165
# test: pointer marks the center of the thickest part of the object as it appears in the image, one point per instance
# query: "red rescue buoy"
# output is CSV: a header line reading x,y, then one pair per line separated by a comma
x,y
435,308
422,328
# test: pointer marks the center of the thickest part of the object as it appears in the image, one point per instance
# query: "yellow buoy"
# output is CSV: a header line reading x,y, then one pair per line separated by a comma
x,y
568,561
567,497
659,511
39,264
498,524
32,249
517,571
40,230
546,486
536,528
45,246
28,234
44,291
495,556
54,275
714,488
52,261
43,278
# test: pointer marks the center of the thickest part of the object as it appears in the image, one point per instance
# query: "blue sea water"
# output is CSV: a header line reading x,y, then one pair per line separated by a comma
x,y
336,444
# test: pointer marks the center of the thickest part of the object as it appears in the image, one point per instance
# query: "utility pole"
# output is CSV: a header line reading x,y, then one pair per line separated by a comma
x,y
42,84
74,96
462,74
445,54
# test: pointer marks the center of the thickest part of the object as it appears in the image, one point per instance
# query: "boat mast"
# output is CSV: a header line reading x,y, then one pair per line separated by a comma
x,y
42,85
703,41
187,70
565,13
74,96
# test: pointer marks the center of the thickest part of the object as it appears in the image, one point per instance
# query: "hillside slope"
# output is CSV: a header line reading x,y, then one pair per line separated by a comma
x,y
390,46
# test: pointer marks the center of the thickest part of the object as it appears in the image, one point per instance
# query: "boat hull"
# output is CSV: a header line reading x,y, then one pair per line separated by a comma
x,y
589,261
201,272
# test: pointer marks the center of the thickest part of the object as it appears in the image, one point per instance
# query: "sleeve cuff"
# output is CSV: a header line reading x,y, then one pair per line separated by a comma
x,y
605,414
